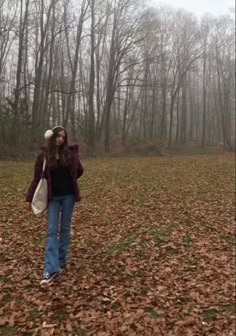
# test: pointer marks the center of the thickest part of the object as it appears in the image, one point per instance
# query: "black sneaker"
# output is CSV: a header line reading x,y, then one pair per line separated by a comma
x,y
48,277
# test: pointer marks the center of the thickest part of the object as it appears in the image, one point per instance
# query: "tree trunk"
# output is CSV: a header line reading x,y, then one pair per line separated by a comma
x,y
183,133
204,99
91,130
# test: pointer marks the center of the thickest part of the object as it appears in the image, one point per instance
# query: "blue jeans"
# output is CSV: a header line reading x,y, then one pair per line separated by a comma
x,y
58,241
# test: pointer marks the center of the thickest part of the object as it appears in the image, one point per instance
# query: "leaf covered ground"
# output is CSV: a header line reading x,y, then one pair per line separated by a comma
x,y
152,252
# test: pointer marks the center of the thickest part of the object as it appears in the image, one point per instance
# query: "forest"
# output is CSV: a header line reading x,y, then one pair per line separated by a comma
x,y
115,73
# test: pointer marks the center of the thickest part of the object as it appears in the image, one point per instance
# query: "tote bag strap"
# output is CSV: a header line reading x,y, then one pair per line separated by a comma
x,y
44,164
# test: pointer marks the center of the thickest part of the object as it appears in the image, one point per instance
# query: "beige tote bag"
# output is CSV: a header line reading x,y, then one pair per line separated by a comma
x,y
40,199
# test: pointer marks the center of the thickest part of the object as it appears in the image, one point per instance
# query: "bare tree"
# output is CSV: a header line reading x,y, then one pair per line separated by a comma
x,y
70,109
186,53
7,37
222,41
124,27
42,44
16,126
91,130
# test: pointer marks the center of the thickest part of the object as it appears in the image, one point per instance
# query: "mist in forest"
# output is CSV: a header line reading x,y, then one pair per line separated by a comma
x,y
118,75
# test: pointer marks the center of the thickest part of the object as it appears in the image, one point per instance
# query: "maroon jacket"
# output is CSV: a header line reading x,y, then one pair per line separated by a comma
x,y
76,170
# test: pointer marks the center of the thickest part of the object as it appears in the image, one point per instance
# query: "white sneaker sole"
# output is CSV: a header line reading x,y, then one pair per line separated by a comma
x,y
44,281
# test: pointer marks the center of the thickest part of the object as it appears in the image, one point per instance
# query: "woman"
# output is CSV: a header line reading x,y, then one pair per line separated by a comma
x,y
63,168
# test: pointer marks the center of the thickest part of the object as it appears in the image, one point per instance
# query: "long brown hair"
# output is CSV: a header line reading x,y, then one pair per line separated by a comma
x,y
50,150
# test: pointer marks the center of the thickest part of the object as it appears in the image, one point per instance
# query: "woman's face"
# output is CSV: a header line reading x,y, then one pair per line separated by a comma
x,y
60,139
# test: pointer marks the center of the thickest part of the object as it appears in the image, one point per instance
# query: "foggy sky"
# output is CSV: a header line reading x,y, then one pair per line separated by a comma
x,y
199,7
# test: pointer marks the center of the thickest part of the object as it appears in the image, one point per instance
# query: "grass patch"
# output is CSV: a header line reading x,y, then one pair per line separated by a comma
x,y
3,279
34,314
38,242
186,222
7,297
153,313
231,308
8,331
29,288
121,246
229,239
19,299
162,233
187,241
210,315
59,315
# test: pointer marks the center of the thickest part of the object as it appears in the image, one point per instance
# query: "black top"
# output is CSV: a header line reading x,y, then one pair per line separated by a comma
x,y
62,184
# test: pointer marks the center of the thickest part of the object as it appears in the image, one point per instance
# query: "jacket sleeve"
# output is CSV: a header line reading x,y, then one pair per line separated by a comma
x,y
38,167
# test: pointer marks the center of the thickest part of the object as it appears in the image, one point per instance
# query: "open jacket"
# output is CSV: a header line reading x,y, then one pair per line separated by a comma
x,y
76,170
